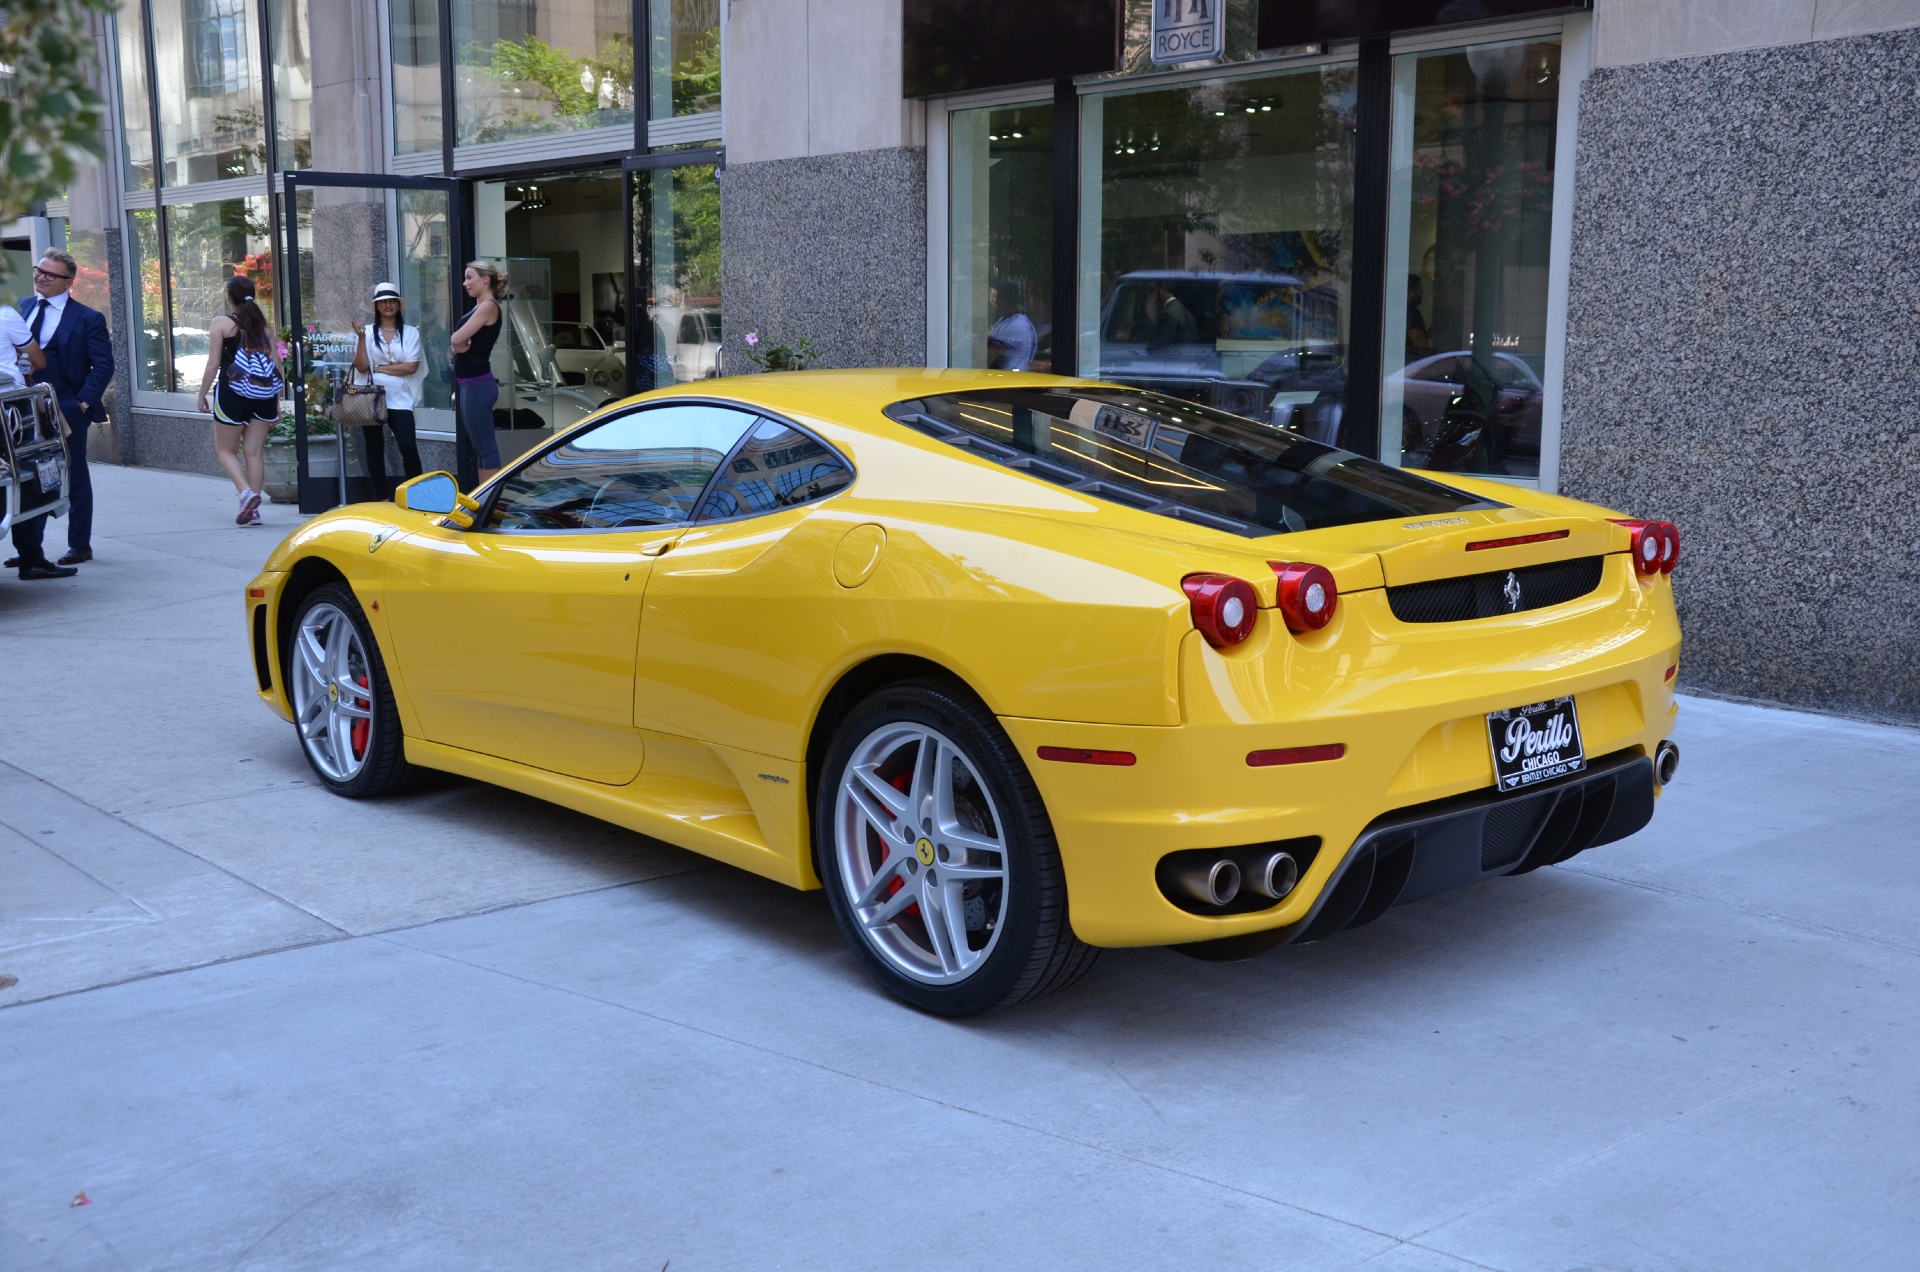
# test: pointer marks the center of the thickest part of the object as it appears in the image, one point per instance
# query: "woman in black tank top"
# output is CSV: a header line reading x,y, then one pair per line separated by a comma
x,y
475,389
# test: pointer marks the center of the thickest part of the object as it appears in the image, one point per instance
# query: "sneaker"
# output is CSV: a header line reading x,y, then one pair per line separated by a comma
x,y
253,519
249,509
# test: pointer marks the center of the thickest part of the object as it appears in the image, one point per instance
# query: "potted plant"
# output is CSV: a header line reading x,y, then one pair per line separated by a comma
x,y
779,357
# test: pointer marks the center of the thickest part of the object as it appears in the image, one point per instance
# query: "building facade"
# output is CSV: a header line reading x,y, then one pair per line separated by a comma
x,y
1650,253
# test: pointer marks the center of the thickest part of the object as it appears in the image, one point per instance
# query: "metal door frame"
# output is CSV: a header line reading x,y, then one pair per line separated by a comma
x,y
297,347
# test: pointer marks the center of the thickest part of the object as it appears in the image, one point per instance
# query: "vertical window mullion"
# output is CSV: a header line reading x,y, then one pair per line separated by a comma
x,y
159,203
1372,165
1066,228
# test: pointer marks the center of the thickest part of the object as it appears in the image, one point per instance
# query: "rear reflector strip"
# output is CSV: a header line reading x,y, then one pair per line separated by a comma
x,y
1074,755
1671,670
1546,536
1296,755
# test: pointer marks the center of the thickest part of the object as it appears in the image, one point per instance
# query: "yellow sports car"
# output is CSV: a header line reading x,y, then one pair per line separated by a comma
x,y
1014,666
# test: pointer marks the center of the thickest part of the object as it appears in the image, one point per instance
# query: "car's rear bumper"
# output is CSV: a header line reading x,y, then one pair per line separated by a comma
x,y
1413,740
1420,852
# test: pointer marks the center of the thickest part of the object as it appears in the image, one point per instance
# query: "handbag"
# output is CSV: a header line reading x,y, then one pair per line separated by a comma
x,y
357,405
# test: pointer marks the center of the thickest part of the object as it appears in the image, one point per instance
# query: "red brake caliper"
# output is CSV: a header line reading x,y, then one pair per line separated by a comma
x,y
357,735
901,784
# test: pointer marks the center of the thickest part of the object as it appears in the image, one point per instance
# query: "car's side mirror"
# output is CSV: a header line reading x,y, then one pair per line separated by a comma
x,y
437,493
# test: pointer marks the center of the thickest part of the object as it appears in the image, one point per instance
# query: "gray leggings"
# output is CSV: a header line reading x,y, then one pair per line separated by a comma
x,y
474,401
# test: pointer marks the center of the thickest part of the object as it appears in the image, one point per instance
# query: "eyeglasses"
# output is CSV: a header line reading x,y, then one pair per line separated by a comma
x,y
46,273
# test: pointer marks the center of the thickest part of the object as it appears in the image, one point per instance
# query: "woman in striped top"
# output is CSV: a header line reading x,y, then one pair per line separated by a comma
x,y
247,402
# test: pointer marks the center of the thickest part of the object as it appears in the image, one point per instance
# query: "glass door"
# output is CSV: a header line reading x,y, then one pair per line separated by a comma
x,y
673,331
345,233
560,239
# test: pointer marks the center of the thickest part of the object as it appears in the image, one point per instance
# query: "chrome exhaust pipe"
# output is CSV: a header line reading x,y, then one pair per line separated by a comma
x,y
1210,883
1272,876
1666,762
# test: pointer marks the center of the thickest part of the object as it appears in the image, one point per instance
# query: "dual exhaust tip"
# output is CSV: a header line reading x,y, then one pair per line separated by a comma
x,y
1666,762
1221,881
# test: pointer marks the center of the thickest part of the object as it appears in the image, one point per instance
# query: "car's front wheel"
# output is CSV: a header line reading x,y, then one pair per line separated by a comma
x,y
938,856
342,702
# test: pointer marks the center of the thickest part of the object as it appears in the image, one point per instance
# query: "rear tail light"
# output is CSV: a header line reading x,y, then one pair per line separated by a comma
x,y
1307,595
1656,545
1224,608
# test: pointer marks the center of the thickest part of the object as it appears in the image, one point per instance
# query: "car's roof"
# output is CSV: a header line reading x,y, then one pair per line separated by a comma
x,y
854,397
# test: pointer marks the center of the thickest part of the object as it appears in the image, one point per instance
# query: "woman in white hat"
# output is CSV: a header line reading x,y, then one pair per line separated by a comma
x,y
394,359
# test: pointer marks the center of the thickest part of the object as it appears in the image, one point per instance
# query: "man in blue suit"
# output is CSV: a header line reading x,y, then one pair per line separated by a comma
x,y
79,353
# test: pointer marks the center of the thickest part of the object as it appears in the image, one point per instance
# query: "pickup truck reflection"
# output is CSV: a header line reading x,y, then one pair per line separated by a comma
x,y
1266,346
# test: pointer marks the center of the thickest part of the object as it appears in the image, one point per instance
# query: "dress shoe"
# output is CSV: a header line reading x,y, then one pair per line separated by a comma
x,y
77,556
47,570
11,563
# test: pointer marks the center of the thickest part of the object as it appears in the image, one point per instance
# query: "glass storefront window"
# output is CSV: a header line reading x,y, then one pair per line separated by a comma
x,y
676,235
413,35
684,57
530,67
1217,249
136,120
150,370
208,243
1470,229
288,26
1000,239
207,81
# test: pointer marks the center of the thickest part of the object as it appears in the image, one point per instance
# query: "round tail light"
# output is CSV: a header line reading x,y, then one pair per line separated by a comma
x,y
1224,608
1656,545
1308,595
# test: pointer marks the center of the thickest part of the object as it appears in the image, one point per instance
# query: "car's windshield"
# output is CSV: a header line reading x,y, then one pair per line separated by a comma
x,y
1164,455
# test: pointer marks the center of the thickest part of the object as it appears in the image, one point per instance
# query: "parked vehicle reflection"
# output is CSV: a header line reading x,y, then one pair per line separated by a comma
x,y
1466,412
1262,345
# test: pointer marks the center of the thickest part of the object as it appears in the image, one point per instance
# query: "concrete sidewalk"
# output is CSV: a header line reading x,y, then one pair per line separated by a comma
x,y
259,1027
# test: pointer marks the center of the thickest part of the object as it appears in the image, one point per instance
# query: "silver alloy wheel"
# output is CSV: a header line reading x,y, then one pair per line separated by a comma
x,y
332,692
925,867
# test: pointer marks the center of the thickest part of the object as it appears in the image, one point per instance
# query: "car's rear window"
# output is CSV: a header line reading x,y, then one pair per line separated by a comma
x,y
1164,455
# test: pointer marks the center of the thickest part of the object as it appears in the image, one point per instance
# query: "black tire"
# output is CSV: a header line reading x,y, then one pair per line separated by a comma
x,y
1031,949
376,759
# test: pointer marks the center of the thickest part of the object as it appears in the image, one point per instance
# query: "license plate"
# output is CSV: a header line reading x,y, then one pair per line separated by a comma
x,y
1535,744
47,471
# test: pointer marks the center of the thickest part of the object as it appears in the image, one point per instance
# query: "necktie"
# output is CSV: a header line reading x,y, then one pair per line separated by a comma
x,y
39,316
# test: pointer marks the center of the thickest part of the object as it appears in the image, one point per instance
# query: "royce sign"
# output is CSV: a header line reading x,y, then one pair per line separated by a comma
x,y
1187,30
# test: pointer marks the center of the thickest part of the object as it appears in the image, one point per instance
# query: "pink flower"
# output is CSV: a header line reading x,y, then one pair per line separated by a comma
x,y
752,339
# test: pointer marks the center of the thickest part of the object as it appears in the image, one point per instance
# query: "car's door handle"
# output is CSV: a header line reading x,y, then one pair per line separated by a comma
x,y
656,549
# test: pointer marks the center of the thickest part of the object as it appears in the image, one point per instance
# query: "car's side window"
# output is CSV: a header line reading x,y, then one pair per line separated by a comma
x,y
778,466
645,468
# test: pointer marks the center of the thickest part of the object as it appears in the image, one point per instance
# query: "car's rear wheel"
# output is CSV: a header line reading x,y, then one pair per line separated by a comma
x,y
938,856
342,702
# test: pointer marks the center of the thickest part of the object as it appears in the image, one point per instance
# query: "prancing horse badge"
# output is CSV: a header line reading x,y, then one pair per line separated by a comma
x,y
1512,591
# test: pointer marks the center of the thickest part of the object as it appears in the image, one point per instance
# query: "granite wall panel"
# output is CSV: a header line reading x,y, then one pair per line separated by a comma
x,y
183,443
1743,356
832,248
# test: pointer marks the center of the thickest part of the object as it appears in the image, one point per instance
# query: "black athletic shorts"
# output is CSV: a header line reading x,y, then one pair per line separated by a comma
x,y
231,408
